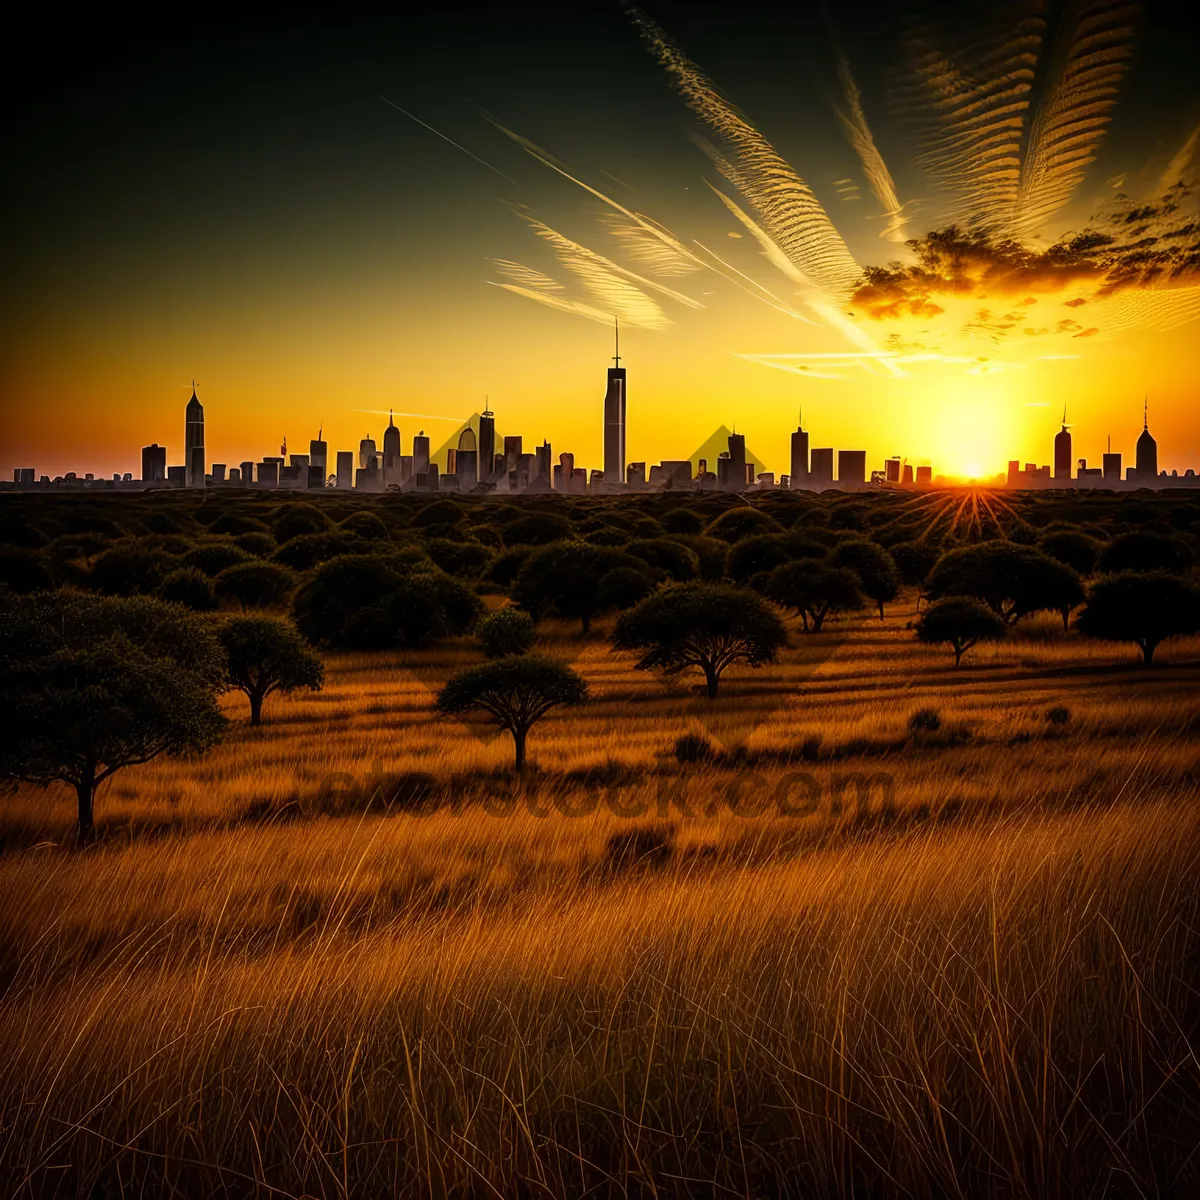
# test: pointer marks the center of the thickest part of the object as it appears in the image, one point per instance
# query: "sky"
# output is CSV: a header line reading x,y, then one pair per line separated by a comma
x,y
320,213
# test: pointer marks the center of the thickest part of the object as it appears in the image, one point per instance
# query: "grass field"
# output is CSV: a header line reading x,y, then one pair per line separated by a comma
x,y
348,954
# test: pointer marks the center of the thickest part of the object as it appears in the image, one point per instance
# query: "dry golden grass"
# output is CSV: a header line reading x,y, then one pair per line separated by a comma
x,y
991,989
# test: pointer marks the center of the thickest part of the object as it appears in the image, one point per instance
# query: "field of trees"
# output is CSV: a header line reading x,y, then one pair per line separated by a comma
x,y
865,923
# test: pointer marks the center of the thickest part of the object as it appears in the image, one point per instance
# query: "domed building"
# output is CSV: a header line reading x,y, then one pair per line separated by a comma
x,y
1146,454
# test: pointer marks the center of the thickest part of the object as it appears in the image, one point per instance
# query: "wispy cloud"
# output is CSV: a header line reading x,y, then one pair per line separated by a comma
x,y
786,205
565,304
456,145
658,254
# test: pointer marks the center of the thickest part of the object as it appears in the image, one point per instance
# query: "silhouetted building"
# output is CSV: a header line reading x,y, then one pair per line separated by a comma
x,y
891,470
1146,453
852,468
391,451
154,463
1062,450
345,469
176,476
906,475
487,442
367,453
24,476
1112,466
235,474
247,469
512,452
268,472
820,469
420,454
798,476
545,463
564,472
467,460
635,476
193,442
218,472
614,418
318,452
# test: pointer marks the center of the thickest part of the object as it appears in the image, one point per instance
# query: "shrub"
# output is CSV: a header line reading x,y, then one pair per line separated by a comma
x,y
254,584
1058,715
190,588
925,720
366,525
694,748
297,519
1146,552
740,522
506,631
214,557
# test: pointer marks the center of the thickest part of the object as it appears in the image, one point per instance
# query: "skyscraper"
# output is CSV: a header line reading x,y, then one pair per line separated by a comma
x,y
466,460
154,463
345,469
1146,454
852,468
1062,450
421,453
391,452
318,451
487,440
614,416
821,470
799,472
193,442
367,454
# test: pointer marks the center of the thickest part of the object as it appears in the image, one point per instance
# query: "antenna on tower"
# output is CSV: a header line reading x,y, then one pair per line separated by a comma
x,y
1146,411
487,407
283,448
616,341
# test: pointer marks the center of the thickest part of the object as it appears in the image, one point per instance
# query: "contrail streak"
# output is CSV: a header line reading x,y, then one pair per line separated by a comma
x,y
444,138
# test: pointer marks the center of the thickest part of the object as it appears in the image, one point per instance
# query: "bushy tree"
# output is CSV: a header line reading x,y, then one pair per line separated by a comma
x,y
959,622
505,632
564,579
1076,549
1142,551
1013,581
709,626
365,602
131,569
740,522
25,571
516,692
93,685
295,520
214,557
674,560
366,525
310,549
265,655
878,577
683,520
467,560
1146,608
254,585
538,529
914,561
756,555
189,588
815,591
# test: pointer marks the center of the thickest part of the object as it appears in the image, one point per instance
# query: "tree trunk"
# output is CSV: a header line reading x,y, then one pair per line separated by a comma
x,y
711,679
818,619
881,610
519,736
1148,649
87,829
959,651
586,622
256,702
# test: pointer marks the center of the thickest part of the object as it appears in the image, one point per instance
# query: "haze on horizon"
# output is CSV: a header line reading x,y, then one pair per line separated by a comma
x,y
233,194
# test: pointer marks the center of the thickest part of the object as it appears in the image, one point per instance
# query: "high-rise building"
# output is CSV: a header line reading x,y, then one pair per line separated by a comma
x,y
391,451
852,468
467,460
891,470
218,472
1062,450
345,469
193,442
247,470
487,440
318,451
820,469
924,474
614,417
154,463
1146,454
564,472
420,453
367,454
907,473
1112,465
799,473
512,452
542,454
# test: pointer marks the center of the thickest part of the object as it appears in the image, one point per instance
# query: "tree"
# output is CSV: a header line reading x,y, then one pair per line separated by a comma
x,y
505,632
130,569
25,571
706,625
1072,547
564,579
1146,552
309,549
814,590
467,560
189,588
295,520
756,555
914,561
877,574
254,584
959,622
742,521
214,557
94,685
516,691
670,557
538,529
1013,581
1144,608
265,655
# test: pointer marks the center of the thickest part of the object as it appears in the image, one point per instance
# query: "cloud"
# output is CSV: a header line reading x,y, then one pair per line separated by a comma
x,y
561,303
527,277
785,204
661,255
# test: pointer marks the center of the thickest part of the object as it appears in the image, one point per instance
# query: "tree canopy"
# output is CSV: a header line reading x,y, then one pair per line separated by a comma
x,y
704,625
1144,608
814,590
564,579
516,692
265,655
959,622
93,685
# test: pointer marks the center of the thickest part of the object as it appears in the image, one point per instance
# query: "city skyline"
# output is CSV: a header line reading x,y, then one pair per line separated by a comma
x,y
356,220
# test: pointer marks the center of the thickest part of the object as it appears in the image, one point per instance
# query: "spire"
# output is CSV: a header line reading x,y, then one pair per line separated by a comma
x,y
391,423
1146,411
1064,416
487,408
616,342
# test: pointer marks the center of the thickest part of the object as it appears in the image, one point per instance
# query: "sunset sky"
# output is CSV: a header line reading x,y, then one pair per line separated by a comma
x,y
227,194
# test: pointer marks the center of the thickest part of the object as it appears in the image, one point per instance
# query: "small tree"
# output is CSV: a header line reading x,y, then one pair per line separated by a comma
x,y
254,584
1146,609
1145,551
814,591
505,632
95,685
516,691
959,622
1013,581
265,655
564,578
877,574
189,588
706,625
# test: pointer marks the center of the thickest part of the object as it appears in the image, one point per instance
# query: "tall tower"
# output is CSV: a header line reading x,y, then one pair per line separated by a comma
x,y
1146,454
391,446
487,440
614,416
193,442
1062,450
799,454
